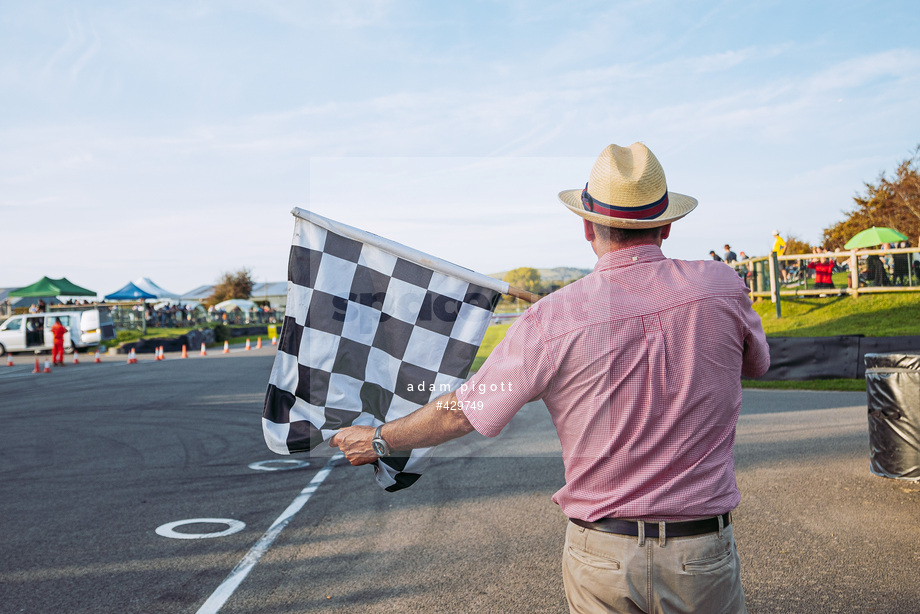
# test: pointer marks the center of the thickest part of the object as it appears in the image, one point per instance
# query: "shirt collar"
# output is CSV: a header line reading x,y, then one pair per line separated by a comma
x,y
627,256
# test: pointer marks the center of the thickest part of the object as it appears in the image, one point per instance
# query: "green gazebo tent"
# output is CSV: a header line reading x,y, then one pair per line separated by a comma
x,y
52,287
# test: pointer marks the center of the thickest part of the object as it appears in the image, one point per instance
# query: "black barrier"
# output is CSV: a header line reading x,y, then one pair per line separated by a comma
x,y
893,391
804,358
192,340
249,331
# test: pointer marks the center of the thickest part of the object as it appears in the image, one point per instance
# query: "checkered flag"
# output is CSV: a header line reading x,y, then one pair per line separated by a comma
x,y
372,331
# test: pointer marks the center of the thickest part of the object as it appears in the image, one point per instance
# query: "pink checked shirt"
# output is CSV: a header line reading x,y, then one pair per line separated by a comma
x,y
640,365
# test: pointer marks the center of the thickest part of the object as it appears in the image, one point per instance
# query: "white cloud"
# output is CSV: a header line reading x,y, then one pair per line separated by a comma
x,y
85,56
868,70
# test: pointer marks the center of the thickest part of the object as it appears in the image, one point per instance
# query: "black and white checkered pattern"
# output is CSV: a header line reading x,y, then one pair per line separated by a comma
x,y
368,336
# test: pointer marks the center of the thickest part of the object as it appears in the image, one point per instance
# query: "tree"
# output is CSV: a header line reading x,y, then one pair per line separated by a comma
x,y
524,278
893,202
794,245
232,285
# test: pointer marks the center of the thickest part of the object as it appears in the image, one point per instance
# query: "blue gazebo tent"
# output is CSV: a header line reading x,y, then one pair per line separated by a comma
x,y
146,284
129,292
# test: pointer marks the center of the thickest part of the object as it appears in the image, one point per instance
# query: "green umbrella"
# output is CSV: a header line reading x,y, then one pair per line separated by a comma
x,y
871,237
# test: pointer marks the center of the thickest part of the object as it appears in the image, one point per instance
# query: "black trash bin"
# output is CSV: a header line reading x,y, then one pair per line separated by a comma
x,y
893,391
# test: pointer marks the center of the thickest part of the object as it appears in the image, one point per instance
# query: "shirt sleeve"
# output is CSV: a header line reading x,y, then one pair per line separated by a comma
x,y
756,359
518,371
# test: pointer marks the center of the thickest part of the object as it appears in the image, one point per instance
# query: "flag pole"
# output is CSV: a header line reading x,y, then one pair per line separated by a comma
x,y
524,295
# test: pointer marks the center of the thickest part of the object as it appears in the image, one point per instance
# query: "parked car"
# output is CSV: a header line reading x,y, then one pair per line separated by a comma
x,y
32,332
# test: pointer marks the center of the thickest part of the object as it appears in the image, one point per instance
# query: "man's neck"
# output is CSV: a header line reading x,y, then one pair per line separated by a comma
x,y
604,247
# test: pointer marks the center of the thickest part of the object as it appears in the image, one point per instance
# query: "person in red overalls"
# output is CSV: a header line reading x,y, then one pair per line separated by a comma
x,y
57,352
823,269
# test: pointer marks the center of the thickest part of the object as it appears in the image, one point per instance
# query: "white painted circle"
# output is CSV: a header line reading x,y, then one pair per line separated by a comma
x,y
279,465
233,526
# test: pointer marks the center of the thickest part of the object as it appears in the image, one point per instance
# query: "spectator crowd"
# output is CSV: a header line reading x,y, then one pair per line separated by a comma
x,y
892,269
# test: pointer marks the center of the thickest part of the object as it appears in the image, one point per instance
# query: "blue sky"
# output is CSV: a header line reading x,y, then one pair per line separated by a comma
x,y
171,139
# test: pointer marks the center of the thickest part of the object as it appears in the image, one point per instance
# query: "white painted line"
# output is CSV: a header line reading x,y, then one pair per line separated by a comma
x,y
11,374
219,597
233,526
278,465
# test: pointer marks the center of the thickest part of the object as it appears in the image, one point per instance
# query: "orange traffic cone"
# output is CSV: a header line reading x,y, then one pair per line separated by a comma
x,y
97,357
184,352
132,357
247,345
47,367
9,360
274,341
259,343
160,355
226,347
76,357
37,368
204,352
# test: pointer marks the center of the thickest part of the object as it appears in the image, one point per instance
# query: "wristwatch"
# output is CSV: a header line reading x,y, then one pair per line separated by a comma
x,y
380,446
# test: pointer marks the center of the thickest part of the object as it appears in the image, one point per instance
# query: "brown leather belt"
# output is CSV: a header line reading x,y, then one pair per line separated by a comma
x,y
672,529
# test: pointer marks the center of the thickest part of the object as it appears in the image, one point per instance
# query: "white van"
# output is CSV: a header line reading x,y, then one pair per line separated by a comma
x,y
32,331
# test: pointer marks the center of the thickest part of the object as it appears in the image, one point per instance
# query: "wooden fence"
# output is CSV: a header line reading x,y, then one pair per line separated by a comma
x,y
765,282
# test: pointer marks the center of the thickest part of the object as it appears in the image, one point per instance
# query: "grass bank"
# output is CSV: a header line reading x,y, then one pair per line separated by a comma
x,y
494,334
847,385
872,315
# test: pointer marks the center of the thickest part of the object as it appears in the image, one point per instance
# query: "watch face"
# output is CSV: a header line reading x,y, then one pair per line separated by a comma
x,y
379,448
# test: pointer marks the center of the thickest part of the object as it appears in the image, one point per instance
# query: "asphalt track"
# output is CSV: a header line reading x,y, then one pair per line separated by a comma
x,y
94,458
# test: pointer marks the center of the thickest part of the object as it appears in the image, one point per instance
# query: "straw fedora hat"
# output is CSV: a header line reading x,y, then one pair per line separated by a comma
x,y
627,189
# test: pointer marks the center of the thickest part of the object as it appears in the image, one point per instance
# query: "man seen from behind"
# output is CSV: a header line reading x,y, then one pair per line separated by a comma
x,y
640,365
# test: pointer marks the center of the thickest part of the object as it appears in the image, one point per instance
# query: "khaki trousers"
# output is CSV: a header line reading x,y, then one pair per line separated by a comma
x,y
605,572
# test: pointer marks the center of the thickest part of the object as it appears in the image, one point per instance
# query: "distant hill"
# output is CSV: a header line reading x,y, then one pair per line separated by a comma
x,y
560,274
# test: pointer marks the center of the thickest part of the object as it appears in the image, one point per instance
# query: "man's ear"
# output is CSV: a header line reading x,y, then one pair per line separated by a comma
x,y
589,230
665,231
